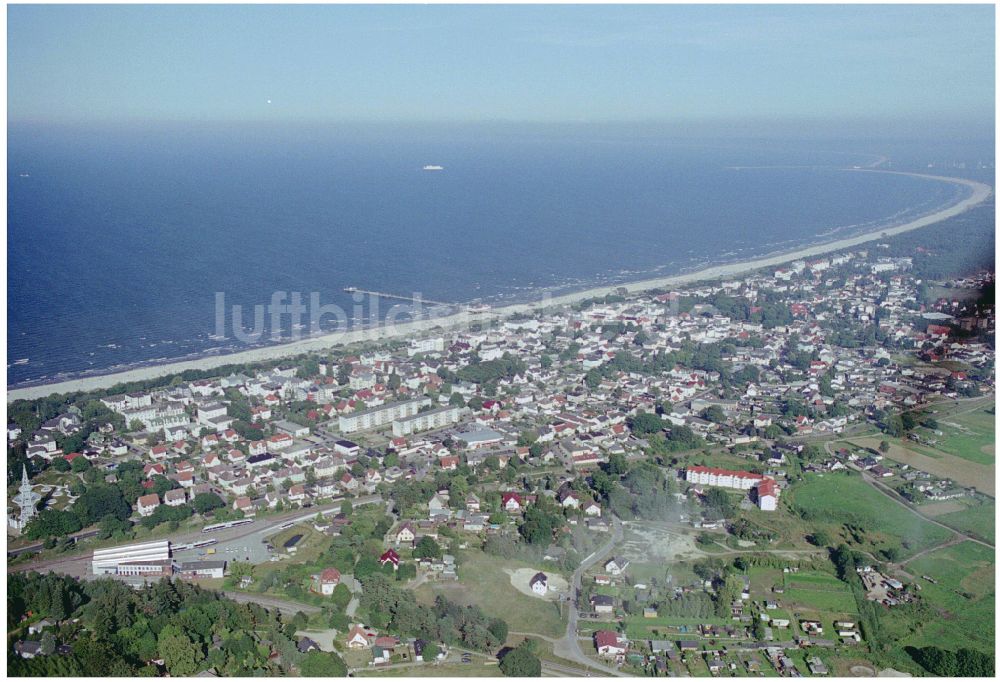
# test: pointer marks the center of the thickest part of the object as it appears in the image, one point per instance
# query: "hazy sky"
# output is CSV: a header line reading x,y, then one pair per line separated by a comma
x,y
536,63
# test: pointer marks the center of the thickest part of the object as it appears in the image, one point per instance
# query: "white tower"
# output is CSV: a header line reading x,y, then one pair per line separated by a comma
x,y
26,499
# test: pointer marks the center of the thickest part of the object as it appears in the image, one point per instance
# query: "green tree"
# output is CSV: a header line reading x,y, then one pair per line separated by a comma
x,y
341,596
48,643
427,547
322,664
80,465
206,502
645,423
430,652
180,655
522,661
112,526
715,414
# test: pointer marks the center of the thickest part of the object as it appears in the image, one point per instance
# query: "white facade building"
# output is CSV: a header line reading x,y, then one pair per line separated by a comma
x,y
382,415
422,421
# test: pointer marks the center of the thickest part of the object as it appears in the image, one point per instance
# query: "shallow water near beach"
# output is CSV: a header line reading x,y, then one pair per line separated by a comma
x,y
119,240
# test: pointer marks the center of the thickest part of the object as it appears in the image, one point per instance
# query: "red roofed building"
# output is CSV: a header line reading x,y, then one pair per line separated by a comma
x,y
388,556
449,462
609,643
723,478
326,581
511,502
147,504
767,495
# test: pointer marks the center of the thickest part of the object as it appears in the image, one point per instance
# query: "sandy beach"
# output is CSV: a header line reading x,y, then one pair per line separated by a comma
x,y
980,192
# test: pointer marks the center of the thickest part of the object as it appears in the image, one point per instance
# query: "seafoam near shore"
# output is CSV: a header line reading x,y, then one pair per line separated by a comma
x,y
980,192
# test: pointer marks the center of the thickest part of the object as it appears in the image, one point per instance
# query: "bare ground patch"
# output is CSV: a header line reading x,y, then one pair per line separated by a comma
x,y
938,508
520,578
980,581
647,541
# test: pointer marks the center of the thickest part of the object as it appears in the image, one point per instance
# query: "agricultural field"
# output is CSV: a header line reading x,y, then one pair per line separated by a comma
x,y
963,597
484,582
938,463
846,498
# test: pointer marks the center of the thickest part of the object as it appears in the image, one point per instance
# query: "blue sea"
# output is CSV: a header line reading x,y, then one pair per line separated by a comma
x,y
119,239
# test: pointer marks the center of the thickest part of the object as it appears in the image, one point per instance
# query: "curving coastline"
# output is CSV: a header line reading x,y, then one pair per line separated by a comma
x,y
980,192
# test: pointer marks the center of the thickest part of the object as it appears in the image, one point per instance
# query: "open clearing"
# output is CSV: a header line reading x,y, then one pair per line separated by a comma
x,y
485,582
649,542
520,578
963,597
946,466
847,498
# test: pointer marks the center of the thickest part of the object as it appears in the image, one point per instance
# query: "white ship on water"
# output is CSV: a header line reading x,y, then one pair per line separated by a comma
x,y
433,168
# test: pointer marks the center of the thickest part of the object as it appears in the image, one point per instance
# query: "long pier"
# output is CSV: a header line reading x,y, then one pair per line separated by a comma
x,y
382,294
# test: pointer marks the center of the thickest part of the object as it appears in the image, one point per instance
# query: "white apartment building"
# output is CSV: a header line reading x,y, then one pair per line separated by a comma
x,y
723,478
381,415
422,421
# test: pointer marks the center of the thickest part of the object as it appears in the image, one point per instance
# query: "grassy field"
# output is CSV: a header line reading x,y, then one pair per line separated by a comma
x,y
819,592
963,597
969,435
977,518
482,581
762,579
822,600
848,499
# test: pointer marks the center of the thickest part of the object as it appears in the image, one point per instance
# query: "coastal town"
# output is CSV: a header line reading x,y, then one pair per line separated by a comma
x,y
765,475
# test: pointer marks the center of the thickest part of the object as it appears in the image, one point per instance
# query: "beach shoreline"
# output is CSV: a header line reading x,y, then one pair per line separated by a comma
x,y
980,192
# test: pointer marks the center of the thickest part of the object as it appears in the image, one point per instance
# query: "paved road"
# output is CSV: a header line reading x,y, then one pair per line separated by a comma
x,y
568,646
